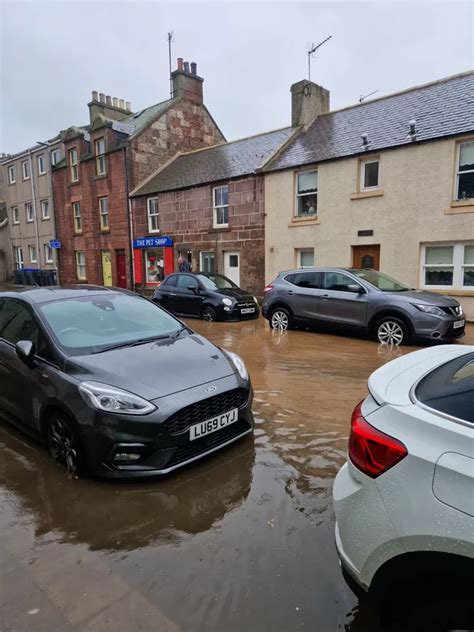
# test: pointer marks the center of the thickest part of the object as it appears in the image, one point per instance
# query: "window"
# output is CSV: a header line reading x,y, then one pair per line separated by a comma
x,y
15,215
207,262
465,172
305,258
369,174
25,169
11,174
19,261
76,212
48,254
221,207
80,265
337,282
170,281
154,265
17,323
45,209
448,266
55,156
73,165
307,194
153,215
41,168
29,212
100,157
184,281
32,254
310,280
104,213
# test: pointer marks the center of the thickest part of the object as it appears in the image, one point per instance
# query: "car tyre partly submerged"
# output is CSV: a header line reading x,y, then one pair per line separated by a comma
x,y
63,443
280,319
392,331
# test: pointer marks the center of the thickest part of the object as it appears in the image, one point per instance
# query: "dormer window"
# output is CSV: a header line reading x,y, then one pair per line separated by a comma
x,y
73,165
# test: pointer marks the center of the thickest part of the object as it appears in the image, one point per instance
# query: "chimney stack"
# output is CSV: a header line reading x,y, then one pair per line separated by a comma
x,y
186,83
108,107
308,100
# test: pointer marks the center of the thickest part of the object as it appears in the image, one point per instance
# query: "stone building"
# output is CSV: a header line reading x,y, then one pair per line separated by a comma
x,y
208,207
387,184
108,158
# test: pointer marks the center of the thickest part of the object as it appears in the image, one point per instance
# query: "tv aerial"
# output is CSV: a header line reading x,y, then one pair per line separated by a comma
x,y
363,97
312,51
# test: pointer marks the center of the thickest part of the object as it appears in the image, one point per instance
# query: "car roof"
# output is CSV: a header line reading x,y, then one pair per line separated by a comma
x,y
315,269
44,294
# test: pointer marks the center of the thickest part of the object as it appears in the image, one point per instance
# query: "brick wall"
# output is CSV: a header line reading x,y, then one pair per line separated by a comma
x,y
92,240
187,216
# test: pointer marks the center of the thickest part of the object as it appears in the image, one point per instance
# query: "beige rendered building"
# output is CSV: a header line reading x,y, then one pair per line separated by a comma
x,y
387,184
29,204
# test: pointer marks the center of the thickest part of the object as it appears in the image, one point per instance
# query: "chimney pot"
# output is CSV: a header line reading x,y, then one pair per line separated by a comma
x,y
186,66
102,97
95,95
121,104
115,102
193,68
128,106
180,63
108,99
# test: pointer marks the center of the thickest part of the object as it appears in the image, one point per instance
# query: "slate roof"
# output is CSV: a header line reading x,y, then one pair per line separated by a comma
x,y
216,163
140,120
443,108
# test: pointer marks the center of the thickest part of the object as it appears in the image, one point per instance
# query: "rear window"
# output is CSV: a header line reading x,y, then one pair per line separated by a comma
x,y
450,388
305,279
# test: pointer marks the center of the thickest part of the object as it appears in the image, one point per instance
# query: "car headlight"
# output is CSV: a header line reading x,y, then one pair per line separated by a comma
x,y
239,364
430,309
255,299
227,301
113,400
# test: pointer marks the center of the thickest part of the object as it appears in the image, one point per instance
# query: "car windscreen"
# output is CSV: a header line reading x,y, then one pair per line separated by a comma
x,y
450,388
380,281
216,282
91,324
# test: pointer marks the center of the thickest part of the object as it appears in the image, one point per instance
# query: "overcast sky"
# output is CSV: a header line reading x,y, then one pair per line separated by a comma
x,y
53,54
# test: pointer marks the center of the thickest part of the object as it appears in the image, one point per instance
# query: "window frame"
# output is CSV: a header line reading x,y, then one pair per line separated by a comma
x,y
25,169
53,153
100,166
151,216
19,261
73,166
32,248
75,217
15,212
47,252
307,194
45,204
299,251
363,163
11,170
41,165
104,227
27,206
215,207
80,265
457,266
208,253
456,197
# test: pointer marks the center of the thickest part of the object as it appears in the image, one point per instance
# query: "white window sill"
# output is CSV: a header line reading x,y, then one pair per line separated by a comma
x,y
154,232
217,226
460,206
367,193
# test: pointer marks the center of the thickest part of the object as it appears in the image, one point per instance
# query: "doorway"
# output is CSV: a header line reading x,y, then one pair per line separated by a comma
x,y
106,268
366,257
232,266
121,268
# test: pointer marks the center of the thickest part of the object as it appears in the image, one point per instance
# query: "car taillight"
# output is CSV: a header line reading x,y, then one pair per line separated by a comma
x,y
371,451
267,288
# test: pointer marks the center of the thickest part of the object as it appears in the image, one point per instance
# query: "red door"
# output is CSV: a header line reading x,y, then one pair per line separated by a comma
x,y
121,268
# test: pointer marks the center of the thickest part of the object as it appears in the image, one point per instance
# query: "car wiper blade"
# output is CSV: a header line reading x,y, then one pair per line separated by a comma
x,y
132,343
179,332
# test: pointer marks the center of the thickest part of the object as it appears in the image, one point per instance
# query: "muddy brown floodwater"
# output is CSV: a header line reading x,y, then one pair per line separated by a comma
x,y
241,541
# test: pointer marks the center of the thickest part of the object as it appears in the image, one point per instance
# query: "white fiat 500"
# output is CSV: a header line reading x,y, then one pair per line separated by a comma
x,y
404,501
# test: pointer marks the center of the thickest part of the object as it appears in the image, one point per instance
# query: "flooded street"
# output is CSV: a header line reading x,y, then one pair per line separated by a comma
x,y
244,540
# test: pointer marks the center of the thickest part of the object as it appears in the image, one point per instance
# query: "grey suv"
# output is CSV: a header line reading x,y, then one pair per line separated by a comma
x,y
364,299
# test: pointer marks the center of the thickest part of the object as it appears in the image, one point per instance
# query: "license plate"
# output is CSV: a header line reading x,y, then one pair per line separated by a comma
x,y
458,324
248,310
212,425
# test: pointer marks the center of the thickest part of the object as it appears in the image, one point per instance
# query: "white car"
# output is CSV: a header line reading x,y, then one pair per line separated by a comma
x,y
404,501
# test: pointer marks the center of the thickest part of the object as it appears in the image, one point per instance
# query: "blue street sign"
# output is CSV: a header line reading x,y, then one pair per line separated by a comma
x,y
54,244
153,242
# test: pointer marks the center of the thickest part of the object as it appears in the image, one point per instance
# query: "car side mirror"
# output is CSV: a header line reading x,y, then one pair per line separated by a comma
x,y
357,289
25,350
193,288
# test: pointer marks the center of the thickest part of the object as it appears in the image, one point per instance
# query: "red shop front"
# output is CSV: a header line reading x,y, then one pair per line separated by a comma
x,y
153,260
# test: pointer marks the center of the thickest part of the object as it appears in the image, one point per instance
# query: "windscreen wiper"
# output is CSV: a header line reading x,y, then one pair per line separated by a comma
x,y
179,332
133,343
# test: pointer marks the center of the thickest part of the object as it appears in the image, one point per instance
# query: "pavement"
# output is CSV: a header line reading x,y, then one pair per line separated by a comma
x,y
241,541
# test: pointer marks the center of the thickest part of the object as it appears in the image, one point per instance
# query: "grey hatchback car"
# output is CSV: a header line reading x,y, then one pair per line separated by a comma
x,y
363,299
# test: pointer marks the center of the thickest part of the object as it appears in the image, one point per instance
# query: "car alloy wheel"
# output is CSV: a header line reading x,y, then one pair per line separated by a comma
x,y
208,314
280,319
390,332
63,444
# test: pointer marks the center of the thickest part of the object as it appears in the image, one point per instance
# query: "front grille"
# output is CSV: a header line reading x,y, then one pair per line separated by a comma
x,y
243,305
455,310
200,446
206,409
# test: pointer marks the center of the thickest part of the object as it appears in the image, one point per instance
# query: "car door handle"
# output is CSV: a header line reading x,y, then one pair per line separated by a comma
x,y
172,293
325,296
290,292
